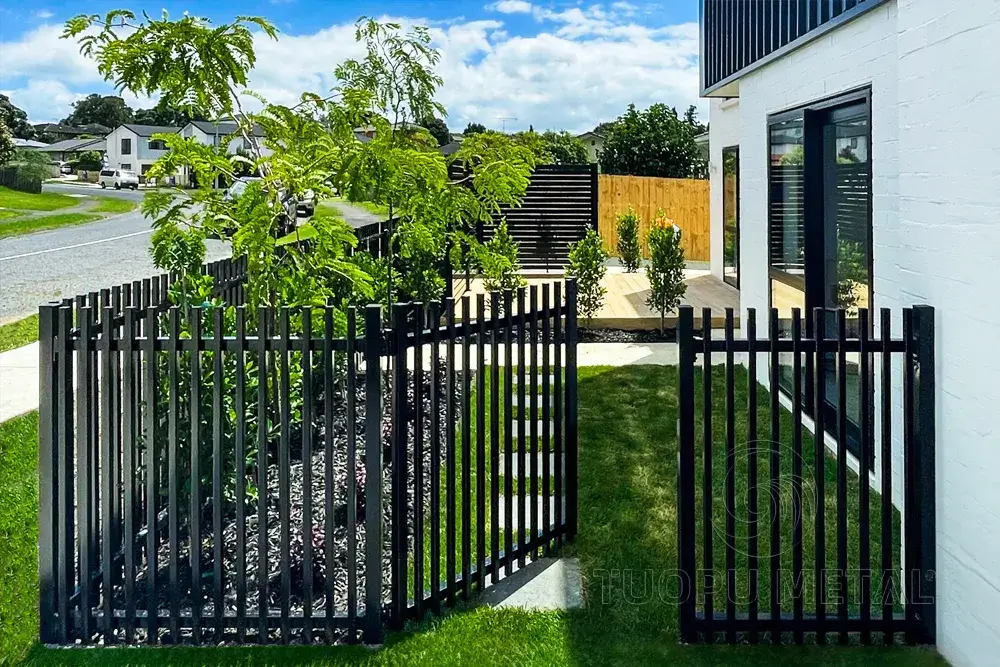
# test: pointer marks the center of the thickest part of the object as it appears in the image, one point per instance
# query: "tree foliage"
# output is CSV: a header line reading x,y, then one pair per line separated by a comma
x,y
164,114
629,252
15,119
107,110
7,148
87,160
666,266
587,259
499,263
438,129
654,142
564,148
473,128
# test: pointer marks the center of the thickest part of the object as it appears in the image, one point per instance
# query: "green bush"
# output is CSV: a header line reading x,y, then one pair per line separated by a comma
x,y
586,264
666,267
628,240
498,262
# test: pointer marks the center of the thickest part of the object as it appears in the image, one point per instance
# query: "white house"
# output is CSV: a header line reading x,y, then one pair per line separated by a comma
x,y
132,147
594,142
871,125
217,134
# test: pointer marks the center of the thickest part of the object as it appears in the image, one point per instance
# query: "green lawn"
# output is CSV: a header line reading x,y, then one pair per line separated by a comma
x,y
113,205
627,522
18,333
26,201
376,209
19,226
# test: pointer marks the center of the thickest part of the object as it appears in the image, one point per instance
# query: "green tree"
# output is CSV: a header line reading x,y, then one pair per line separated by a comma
x,y
564,148
629,251
7,148
654,142
666,266
15,119
498,261
88,160
691,118
473,128
107,110
164,114
587,259
438,129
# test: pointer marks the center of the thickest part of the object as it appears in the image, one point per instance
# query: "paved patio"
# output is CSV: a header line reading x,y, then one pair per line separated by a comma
x,y
625,301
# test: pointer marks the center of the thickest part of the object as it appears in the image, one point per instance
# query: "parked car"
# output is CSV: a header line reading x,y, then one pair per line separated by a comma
x,y
65,169
305,206
119,178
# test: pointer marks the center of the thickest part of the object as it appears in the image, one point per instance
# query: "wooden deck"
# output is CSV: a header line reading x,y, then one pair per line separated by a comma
x,y
625,301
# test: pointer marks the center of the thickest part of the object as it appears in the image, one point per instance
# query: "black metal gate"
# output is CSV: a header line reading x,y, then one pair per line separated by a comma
x,y
785,535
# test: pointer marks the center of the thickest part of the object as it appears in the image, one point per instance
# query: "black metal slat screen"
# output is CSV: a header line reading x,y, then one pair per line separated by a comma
x,y
737,33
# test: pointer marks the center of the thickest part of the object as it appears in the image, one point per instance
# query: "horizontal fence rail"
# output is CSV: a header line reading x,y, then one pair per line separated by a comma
x,y
228,474
806,492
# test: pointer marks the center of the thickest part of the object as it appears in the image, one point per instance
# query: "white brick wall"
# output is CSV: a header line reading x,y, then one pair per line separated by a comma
x,y
724,131
936,225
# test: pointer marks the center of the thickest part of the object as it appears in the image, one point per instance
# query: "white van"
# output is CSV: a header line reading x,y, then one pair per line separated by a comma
x,y
119,178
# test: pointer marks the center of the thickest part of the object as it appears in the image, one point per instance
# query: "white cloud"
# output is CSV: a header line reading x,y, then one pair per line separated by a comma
x,y
510,7
44,14
585,65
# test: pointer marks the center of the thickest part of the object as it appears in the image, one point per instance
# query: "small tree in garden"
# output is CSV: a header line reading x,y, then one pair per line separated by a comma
x,y
628,240
586,263
666,266
498,262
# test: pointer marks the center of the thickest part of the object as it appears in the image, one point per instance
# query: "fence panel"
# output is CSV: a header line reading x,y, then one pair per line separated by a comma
x,y
685,200
818,579
216,474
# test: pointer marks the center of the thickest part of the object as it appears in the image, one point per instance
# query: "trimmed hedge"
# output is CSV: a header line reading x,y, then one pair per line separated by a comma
x,y
13,178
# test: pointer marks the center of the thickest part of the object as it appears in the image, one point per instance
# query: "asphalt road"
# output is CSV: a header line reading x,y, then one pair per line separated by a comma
x,y
71,188
51,265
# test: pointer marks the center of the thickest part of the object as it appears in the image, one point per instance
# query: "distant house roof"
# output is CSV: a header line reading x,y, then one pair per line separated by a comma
x,y
74,145
149,130
60,129
223,128
28,143
701,138
450,148
591,134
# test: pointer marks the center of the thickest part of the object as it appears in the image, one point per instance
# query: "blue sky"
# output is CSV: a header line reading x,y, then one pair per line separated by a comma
x,y
559,64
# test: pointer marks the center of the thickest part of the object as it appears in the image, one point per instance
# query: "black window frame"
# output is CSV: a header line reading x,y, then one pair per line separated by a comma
x,y
126,146
811,283
160,145
736,229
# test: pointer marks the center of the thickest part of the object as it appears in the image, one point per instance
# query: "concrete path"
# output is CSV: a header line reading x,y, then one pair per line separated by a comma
x,y
355,216
18,381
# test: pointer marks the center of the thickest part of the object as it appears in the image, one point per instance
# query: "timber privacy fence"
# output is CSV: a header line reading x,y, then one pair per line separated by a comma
x,y
275,475
766,548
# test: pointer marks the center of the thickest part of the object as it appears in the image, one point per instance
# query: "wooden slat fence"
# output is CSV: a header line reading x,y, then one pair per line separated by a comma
x,y
685,200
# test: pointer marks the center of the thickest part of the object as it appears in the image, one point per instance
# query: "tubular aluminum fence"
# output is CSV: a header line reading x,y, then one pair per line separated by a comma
x,y
786,535
273,475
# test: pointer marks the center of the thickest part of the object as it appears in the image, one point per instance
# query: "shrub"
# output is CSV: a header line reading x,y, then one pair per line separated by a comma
x,y
498,261
628,240
586,264
666,266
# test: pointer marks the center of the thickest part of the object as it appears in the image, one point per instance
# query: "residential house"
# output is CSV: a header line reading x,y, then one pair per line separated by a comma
x,y
132,147
63,151
862,137
218,134
28,143
594,141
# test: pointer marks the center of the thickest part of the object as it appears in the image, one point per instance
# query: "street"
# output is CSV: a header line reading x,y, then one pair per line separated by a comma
x,y
51,265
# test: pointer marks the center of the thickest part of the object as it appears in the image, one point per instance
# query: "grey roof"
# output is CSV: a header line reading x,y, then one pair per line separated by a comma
x,y
590,133
224,128
149,130
701,138
60,128
28,143
73,145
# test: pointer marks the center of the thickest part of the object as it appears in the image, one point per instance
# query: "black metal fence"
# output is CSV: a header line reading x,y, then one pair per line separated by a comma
x,y
766,547
257,476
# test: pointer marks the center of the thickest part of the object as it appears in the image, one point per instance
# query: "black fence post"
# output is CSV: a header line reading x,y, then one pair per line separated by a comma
x,y
594,189
47,466
919,453
399,465
373,474
685,473
572,481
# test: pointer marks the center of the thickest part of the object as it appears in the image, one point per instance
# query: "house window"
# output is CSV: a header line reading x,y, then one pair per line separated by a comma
x,y
731,215
820,233
157,145
126,146
246,144
125,166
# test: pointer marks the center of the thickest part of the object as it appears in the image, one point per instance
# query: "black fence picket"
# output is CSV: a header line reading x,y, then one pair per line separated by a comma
x,y
216,474
821,406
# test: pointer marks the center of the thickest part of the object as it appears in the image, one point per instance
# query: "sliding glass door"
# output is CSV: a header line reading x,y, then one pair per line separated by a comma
x,y
820,234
